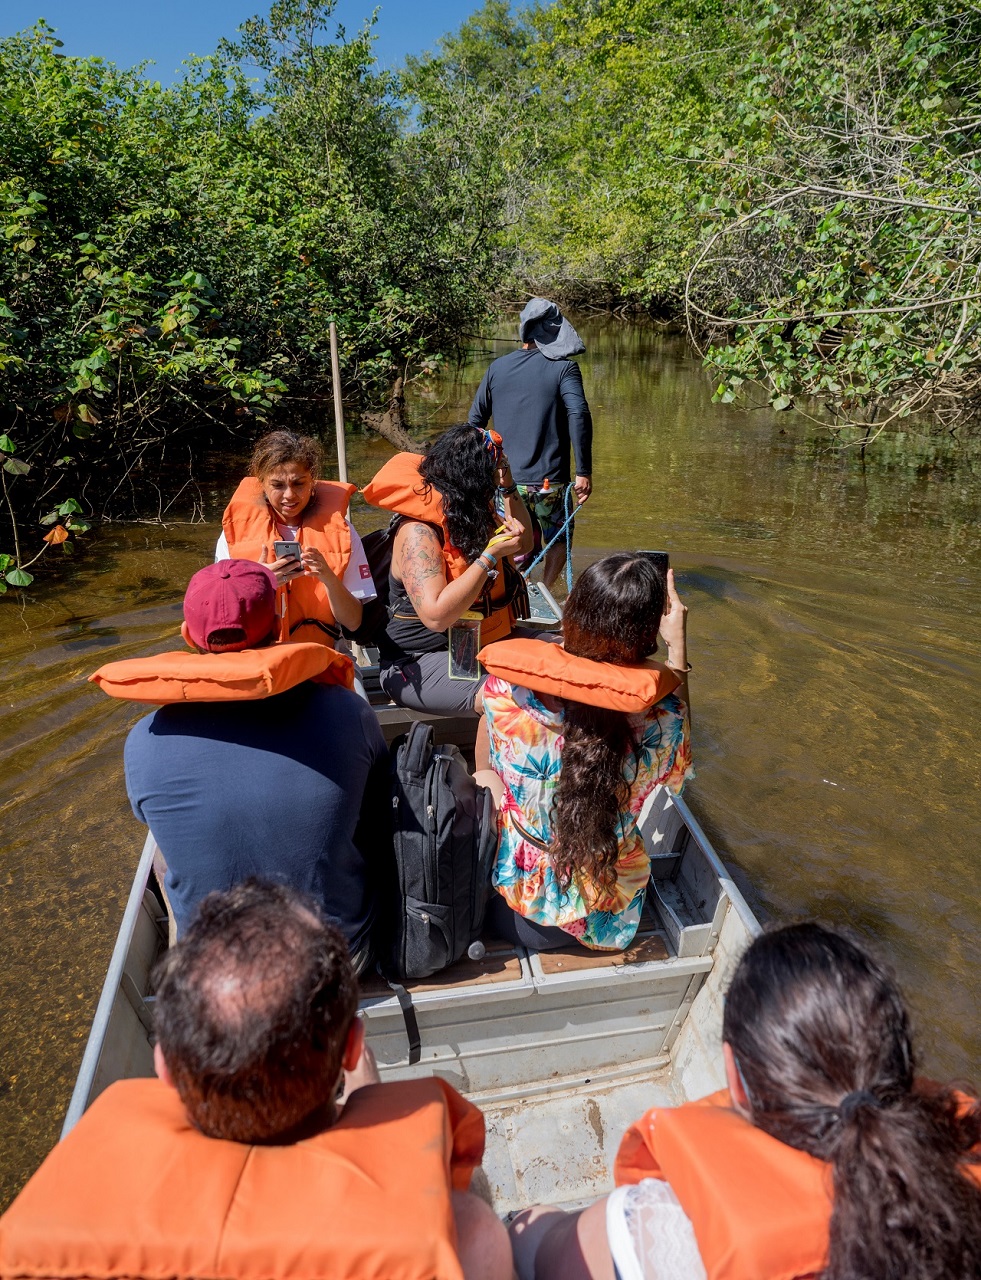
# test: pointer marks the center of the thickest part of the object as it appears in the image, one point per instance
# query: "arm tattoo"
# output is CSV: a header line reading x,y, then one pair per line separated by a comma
x,y
422,560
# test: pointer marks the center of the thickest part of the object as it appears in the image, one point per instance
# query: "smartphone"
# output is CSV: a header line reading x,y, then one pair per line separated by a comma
x,y
659,559
281,550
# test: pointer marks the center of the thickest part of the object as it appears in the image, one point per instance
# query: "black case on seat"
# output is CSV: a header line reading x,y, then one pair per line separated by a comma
x,y
444,840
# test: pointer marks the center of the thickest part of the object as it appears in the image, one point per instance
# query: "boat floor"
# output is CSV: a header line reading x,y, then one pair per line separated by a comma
x,y
553,1139
557,1146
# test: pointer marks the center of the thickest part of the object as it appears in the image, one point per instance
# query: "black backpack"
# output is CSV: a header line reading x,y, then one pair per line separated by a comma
x,y
434,895
378,552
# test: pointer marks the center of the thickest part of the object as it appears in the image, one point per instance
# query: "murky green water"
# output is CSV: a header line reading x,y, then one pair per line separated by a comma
x,y
836,638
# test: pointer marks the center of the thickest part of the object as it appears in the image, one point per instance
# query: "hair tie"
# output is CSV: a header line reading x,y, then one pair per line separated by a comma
x,y
852,1102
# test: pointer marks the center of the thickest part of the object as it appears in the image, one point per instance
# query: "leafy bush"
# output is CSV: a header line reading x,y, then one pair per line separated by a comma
x,y
174,256
799,182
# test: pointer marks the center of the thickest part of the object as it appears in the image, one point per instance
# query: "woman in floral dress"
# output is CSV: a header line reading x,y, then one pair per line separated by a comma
x,y
571,779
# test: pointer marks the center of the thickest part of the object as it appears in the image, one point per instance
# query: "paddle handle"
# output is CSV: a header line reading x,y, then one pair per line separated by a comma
x,y
335,367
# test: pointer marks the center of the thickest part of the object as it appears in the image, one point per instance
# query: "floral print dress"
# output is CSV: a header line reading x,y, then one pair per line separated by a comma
x,y
526,752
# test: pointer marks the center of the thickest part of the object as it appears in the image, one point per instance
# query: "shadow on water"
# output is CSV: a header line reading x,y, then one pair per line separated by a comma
x,y
88,637
836,639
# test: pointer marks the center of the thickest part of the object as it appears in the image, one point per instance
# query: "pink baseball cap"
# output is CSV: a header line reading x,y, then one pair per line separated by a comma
x,y
230,596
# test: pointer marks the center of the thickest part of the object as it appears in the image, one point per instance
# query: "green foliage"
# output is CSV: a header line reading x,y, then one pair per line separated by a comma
x,y
583,110
853,263
473,111
173,257
799,181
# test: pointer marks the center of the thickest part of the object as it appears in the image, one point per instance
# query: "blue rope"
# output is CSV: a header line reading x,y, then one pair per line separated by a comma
x,y
571,509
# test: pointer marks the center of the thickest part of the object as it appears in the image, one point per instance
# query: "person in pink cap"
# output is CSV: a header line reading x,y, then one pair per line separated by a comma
x,y
292,787
229,606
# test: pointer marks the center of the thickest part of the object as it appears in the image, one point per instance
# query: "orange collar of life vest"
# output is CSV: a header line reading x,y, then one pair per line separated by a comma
x,y
399,487
248,503
135,1191
547,668
245,676
758,1206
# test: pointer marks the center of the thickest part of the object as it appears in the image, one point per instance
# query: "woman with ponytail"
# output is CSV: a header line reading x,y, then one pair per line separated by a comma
x,y
571,776
826,1157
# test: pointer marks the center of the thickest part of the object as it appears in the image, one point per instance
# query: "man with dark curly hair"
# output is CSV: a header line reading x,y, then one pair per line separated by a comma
x,y
241,1159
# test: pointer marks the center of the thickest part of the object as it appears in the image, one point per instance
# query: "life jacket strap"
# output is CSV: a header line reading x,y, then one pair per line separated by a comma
x,y
332,631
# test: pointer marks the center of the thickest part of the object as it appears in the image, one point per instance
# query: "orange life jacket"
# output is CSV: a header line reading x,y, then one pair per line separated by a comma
x,y
547,668
223,677
250,525
399,487
134,1191
758,1207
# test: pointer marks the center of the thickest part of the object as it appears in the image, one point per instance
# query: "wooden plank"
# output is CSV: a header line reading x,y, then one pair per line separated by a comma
x,y
460,730
500,964
645,947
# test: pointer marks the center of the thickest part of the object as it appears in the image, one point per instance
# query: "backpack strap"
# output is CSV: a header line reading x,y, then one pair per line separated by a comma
x,y
408,1017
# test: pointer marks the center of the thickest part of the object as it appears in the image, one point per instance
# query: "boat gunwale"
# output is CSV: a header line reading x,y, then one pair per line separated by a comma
x,y
110,987
736,898
81,1093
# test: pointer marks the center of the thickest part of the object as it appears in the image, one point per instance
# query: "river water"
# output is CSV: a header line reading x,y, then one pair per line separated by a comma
x,y
835,624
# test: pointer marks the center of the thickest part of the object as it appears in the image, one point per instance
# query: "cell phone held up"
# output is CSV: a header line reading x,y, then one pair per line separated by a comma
x,y
287,550
660,561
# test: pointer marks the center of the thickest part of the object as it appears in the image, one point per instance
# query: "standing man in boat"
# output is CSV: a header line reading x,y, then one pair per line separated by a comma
x,y
240,1159
536,398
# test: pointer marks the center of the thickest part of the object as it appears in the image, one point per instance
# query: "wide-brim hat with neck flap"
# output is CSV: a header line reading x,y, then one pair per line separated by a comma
x,y
544,324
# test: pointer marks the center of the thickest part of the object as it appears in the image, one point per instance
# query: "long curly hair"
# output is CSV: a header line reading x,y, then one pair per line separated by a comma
x,y
822,1041
463,473
612,615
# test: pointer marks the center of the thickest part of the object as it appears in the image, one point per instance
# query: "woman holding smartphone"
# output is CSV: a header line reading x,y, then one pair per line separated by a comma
x,y
453,585
283,501
579,735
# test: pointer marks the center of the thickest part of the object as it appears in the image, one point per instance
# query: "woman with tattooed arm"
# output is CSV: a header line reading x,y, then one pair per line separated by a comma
x,y
452,587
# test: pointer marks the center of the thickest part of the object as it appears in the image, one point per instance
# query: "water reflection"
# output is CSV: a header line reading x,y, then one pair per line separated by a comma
x,y
835,634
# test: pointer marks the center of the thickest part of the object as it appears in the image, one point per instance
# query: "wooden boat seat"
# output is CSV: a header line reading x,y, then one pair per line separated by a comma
x,y
649,944
502,961
644,948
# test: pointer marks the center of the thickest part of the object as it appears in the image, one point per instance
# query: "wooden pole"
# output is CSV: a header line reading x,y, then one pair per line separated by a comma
x,y
335,365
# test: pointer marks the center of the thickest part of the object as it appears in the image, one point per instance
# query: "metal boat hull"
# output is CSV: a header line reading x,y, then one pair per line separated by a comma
x,y
561,1050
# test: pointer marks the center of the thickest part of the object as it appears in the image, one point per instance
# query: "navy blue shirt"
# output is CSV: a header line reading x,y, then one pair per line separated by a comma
x,y
539,409
292,788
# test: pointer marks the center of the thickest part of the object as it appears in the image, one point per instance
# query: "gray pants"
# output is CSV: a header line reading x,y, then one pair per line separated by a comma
x,y
424,684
